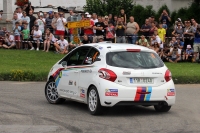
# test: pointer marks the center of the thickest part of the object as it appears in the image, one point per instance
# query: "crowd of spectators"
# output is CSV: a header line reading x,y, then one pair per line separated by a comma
x,y
48,30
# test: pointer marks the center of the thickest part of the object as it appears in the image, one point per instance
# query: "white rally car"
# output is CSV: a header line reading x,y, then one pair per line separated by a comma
x,y
105,74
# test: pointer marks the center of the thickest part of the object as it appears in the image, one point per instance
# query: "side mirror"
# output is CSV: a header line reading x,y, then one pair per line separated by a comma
x,y
98,59
64,64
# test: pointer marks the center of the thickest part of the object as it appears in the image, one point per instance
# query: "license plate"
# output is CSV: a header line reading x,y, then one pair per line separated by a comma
x,y
141,80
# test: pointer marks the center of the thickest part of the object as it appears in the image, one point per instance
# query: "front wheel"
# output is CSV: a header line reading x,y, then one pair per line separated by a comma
x,y
162,108
51,93
94,105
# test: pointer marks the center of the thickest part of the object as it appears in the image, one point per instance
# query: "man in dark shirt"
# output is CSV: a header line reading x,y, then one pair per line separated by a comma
x,y
99,26
120,31
165,16
49,21
145,28
32,20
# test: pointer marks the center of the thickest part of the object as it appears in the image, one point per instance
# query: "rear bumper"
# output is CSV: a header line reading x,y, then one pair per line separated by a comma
x,y
112,94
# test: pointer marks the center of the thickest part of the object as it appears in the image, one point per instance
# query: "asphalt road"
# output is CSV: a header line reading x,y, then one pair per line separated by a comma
x,y
24,109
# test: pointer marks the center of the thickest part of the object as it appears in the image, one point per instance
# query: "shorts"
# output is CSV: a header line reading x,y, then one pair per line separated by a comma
x,y
196,47
17,38
60,32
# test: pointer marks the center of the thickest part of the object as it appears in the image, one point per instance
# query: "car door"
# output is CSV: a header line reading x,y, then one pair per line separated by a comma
x,y
86,73
70,75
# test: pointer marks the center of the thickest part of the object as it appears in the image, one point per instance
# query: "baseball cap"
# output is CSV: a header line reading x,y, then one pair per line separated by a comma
x,y
87,13
88,16
50,12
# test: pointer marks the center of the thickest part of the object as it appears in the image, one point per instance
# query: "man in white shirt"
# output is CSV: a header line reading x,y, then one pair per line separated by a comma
x,y
60,24
9,41
41,22
61,45
95,20
37,37
156,38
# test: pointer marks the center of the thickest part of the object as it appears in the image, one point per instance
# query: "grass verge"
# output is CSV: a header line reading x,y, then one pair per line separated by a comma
x,y
26,65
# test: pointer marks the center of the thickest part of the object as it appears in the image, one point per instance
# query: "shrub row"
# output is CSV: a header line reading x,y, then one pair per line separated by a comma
x,y
20,75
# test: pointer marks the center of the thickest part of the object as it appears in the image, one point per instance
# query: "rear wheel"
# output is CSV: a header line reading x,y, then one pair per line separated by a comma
x,y
162,108
51,93
94,105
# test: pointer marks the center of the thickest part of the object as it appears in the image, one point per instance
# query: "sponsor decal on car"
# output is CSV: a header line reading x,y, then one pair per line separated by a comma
x,y
100,47
82,93
143,94
111,92
86,71
69,92
75,83
70,82
170,92
126,73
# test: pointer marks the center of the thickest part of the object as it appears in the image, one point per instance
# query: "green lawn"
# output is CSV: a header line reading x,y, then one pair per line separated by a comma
x,y
34,66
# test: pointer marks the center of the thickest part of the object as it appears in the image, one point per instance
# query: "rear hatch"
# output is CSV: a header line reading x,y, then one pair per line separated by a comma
x,y
135,68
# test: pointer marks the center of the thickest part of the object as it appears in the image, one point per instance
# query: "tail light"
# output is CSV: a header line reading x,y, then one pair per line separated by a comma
x,y
168,75
107,74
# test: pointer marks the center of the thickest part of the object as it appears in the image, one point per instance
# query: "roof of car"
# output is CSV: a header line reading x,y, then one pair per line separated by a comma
x,y
115,46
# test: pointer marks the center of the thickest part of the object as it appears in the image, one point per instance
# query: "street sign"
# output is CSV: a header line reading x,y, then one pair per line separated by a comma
x,y
78,24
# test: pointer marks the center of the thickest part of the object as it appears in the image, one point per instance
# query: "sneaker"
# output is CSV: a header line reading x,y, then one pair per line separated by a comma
x,y
32,48
37,49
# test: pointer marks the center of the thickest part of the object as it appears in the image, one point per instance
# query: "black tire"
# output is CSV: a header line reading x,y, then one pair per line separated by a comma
x,y
52,98
98,109
162,108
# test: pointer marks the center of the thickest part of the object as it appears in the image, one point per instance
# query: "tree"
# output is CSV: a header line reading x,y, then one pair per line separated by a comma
x,y
105,7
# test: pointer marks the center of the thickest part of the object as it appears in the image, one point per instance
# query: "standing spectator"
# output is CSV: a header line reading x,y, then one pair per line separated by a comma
x,y
70,31
25,20
110,18
49,38
95,20
27,8
37,37
41,22
9,41
19,12
71,13
178,32
145,28
32,19
161,32
14,20
194,24
25,35
99,26
120,31
61,45
110,32
48,21
123,16
17,31
197,43
60,24
45,15
115,20
153,29
1,13
188,34
165,16
54,21
132,31
164,25
89,30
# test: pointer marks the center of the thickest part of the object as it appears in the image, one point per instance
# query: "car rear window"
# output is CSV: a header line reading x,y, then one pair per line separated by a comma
x,y
136,60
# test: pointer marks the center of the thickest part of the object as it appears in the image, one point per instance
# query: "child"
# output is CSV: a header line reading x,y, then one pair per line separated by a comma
x,y
17,31
123,15
164,25
188,53
110,32
25,35
161,32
